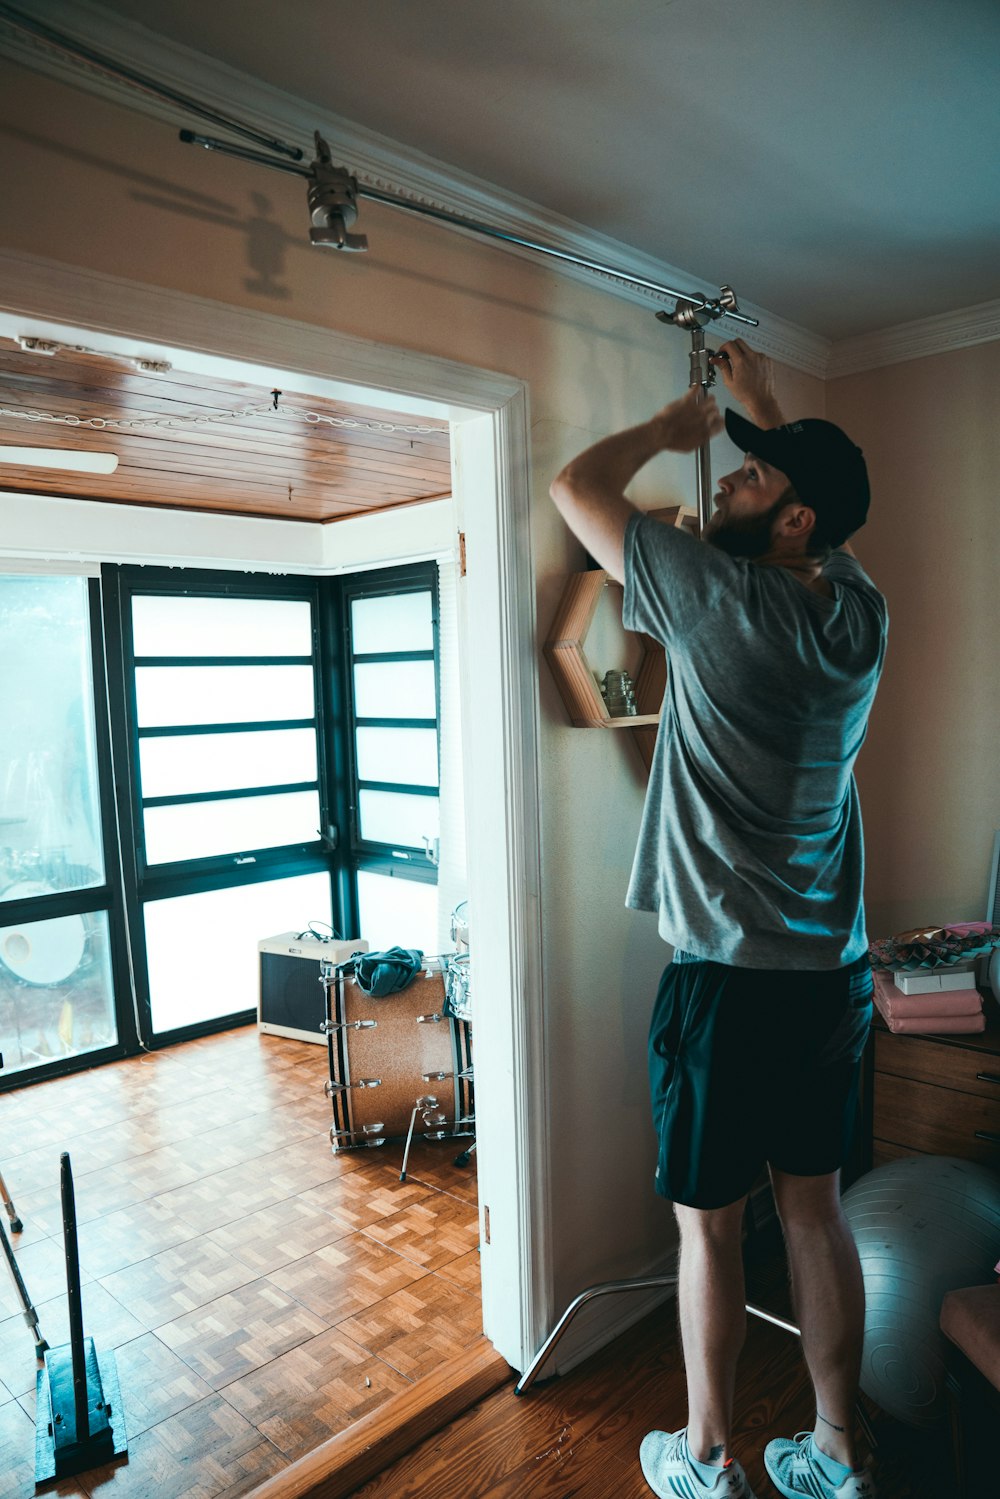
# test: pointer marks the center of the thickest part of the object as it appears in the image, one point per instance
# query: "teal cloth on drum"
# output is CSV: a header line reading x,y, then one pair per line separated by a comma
x,y
382,973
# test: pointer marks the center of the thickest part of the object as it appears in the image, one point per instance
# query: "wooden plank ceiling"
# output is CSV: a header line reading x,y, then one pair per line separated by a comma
x,y
270,463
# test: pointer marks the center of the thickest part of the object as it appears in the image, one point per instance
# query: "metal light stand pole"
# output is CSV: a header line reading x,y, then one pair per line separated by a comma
x,y
696,317
79,1419
27,1308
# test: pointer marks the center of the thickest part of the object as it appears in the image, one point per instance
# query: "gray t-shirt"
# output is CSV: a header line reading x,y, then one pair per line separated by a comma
x,y
750,849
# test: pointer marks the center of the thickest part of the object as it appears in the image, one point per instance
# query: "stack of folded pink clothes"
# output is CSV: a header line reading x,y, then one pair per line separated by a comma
x,y
924,980
940,1012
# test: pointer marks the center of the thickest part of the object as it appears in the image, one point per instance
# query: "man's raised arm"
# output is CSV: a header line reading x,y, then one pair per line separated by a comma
x,y
589,493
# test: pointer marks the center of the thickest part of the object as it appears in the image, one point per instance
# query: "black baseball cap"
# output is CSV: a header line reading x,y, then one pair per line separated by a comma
x,y
825,468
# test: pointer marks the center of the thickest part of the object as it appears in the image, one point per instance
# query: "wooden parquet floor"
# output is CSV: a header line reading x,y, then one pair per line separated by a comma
x,y
259,1293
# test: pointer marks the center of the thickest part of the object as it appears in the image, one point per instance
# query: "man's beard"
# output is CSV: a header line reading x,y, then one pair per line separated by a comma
x,y
746,536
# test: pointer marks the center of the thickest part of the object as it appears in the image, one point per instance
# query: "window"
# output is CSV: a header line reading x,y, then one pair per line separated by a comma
x,y
57,913
222,703
391,629
265,756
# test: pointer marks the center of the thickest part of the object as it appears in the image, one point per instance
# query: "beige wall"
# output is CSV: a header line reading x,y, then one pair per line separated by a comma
x,y
930,772
100,188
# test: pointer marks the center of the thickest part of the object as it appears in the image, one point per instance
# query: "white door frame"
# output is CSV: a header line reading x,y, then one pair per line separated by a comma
x,y
489,413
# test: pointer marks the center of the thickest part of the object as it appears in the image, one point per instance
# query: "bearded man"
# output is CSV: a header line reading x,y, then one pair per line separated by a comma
x,y
750,852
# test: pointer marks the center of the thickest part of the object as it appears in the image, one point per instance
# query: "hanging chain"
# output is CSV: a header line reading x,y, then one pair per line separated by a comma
x,y
136,424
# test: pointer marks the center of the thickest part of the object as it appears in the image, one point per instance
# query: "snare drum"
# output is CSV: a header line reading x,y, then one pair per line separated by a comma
x,y
388,1056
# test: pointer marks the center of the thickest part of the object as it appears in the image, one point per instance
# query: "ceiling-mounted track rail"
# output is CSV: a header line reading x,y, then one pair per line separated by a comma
x,y
334,192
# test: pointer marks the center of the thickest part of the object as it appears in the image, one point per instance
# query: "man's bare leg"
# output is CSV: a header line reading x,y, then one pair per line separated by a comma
x,y
829,1295
712,1306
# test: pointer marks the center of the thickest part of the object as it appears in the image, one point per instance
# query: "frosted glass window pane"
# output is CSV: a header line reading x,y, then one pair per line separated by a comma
x,y
226,762
202,949
392,817
56,991
221,627
395,689
172,696
50,821
197,830
397,913
409,755
394,622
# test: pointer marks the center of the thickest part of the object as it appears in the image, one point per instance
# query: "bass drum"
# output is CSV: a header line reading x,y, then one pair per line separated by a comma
x,y
387,1057
41,953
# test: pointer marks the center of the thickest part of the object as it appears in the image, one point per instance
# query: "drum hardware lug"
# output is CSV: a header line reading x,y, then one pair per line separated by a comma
x,y
373,1129
427,1101
434,1019
367,1082
435,1077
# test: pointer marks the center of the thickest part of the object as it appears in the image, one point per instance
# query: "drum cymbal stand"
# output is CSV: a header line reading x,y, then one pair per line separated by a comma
x,y
696,318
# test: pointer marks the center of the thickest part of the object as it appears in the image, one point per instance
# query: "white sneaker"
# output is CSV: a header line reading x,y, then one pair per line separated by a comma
x,y
793,1469
667,1468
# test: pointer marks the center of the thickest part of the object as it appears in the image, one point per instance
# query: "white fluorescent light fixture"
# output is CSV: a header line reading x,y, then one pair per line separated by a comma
x,y
77,461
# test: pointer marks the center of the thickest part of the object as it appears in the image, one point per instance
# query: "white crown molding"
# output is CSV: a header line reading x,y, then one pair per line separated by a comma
x,y
941,334
374,159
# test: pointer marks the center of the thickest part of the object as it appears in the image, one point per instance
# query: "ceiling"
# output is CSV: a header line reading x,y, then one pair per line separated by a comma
x,y
834,160
275,463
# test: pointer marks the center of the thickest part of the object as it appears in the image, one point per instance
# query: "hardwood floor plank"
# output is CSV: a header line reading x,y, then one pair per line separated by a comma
x,y
432,1232
337,1468
123,1238
418,1329
466,1272
104,1318
279,1234
155,1383
177,1281
315,1391
206,1450
233,1334
346,1277
366,1195
43,1266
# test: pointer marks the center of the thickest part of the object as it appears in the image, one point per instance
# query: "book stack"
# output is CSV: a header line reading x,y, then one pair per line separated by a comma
x,y
935,1002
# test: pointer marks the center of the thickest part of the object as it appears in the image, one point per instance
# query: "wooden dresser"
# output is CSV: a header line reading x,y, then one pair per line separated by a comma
x,y
935,1095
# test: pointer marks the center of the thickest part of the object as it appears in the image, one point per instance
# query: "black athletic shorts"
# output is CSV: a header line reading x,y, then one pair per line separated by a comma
x,y
748,1066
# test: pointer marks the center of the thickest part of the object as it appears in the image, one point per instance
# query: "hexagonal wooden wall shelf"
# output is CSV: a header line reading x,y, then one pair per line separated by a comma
x,y
565,651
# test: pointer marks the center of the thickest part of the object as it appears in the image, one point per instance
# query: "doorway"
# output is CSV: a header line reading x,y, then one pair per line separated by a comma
x,y
488,417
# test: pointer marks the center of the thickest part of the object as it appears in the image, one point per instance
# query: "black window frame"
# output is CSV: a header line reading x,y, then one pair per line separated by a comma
x,y
106,898
401,861
148,882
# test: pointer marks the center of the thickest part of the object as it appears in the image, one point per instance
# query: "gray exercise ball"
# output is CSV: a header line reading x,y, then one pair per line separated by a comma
x,y
924,1225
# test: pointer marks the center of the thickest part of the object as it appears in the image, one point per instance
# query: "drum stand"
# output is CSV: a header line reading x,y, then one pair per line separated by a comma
x,y
27,1309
